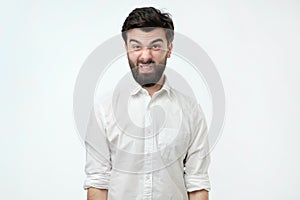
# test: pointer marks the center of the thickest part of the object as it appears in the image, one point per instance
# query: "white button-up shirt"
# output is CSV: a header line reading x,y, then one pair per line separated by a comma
x,y
142,147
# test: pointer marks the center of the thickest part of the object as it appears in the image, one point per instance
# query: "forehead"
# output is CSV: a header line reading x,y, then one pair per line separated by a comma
x,y
145,37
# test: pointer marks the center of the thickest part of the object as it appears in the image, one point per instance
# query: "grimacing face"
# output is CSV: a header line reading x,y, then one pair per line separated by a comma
x,y
147,54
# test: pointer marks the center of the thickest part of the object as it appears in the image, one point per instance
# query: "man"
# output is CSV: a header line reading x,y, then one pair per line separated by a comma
x,y
151,140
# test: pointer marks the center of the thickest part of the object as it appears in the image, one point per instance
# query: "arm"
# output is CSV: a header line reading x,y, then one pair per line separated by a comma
x,y
98,163
198,195
197,159
96,194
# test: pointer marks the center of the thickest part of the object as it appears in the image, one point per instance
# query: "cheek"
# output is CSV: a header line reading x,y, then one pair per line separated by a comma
x,y
132,56
160,56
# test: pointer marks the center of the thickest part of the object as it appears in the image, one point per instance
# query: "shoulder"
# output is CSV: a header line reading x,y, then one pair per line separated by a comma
x,y
188,104
186,101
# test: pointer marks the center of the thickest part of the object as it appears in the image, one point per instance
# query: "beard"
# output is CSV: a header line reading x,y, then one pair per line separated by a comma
x,y
151,78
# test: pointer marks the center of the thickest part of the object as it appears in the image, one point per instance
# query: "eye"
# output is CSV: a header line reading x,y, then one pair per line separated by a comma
x,y
155,47
136,47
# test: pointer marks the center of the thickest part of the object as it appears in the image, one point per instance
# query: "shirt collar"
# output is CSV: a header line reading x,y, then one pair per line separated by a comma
x,y
136,88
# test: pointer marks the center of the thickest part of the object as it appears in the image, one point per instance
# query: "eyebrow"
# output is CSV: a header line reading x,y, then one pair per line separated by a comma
x,y
133,40
157,40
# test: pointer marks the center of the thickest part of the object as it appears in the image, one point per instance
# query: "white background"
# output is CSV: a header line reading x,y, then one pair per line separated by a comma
x,y
254,45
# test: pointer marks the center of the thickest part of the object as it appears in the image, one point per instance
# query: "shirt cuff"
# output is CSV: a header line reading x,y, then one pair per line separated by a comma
x,y
100,181
197,182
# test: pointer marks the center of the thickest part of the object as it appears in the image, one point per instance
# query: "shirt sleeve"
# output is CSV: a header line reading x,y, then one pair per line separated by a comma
x,y
197,158
98,162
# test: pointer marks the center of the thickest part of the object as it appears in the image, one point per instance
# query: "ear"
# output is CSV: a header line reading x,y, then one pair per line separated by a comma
x,y
170,47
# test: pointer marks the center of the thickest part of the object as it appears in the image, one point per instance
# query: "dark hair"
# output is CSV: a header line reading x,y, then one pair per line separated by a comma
x,y
148,18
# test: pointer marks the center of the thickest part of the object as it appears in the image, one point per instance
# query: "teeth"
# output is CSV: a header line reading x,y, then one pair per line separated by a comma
x,y
147,66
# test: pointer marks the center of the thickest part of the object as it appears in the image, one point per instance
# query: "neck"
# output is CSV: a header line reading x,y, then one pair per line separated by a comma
x,y
151,90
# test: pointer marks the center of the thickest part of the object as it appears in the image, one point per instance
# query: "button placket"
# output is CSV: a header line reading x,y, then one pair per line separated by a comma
x,y
148,149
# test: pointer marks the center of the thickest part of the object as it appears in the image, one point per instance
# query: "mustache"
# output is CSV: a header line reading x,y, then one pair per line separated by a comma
x,y
147,62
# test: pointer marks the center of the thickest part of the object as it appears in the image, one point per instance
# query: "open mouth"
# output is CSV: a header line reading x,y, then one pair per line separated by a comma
x,y
146,68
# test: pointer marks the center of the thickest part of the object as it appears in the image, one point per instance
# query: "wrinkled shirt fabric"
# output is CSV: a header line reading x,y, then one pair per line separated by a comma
x,y
142,148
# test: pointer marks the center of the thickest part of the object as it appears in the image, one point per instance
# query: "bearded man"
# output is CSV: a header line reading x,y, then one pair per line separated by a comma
x,y
153,139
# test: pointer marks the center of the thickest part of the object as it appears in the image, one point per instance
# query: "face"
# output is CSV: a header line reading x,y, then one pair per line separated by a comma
x,y
147,54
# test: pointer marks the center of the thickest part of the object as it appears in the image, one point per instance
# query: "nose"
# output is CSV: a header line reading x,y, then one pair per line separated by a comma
x,y
146,54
